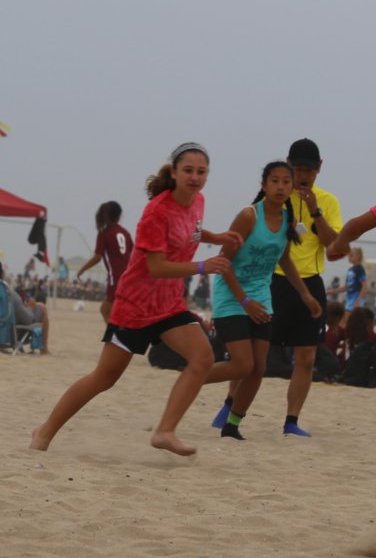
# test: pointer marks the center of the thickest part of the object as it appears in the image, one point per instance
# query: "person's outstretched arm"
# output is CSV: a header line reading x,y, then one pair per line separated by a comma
x,y
160,267
353,229
90,263
232,238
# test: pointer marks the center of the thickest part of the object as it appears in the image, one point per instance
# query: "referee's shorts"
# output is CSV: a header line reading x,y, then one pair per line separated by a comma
x,y
292,323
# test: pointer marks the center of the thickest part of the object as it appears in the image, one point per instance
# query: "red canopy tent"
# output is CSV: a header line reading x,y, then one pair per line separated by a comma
x,y
14,206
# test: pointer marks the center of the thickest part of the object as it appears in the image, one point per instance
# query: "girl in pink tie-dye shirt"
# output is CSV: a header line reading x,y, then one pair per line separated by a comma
x,y
149,304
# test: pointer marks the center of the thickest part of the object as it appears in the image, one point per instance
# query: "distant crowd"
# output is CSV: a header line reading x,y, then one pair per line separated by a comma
x,y
40,289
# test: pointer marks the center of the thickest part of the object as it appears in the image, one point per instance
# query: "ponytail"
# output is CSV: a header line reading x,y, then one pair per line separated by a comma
x,y
260,196
100,217
156,184
292,235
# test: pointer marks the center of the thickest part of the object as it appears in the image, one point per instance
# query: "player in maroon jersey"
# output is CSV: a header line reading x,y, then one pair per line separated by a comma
x,y
114,244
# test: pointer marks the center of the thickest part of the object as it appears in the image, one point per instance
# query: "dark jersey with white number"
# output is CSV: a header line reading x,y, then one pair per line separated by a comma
x,y
114,245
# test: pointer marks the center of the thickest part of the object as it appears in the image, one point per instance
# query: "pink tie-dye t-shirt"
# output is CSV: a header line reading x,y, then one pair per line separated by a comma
x,y
373,210
174,230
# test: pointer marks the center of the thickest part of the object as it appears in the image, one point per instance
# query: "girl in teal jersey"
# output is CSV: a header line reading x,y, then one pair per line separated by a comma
x,y
242,306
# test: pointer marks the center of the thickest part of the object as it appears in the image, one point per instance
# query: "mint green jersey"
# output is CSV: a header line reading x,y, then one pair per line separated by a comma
x,y
253,266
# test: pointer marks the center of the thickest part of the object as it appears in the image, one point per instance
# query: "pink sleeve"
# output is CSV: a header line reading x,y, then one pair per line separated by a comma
x,y
373,210
152,232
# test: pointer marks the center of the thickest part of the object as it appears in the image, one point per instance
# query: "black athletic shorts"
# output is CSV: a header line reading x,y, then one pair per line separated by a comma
x,y
237,328
138,340
292,323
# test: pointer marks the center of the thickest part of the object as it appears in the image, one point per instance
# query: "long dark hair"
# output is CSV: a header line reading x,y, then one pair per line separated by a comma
x,y
158,183
108,213
292,235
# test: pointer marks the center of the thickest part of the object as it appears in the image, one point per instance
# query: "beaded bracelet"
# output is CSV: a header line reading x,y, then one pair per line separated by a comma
x,y
245,301
201,268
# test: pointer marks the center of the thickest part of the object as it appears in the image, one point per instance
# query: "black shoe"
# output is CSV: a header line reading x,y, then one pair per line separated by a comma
x,y
232,431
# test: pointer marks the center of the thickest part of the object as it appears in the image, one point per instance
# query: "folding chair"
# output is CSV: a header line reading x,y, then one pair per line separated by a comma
x,y
13,336
28,334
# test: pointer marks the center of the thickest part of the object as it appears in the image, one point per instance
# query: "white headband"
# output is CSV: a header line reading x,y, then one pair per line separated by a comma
x,y
190,146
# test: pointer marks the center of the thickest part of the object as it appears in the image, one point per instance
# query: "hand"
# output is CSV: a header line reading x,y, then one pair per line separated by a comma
x,y
337,250
313,305
308,197
229,237
218,264
257,312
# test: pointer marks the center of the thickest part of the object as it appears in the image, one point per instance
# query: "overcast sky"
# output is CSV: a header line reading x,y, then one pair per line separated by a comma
x,y
98,92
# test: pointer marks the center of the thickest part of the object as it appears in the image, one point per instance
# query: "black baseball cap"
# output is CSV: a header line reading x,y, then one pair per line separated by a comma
x,y
304,152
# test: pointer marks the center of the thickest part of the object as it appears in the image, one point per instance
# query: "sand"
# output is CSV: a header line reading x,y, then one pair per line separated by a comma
x,y
102,491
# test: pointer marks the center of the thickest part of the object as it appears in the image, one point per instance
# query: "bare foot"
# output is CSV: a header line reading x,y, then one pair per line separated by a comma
x,y
168,441
38,441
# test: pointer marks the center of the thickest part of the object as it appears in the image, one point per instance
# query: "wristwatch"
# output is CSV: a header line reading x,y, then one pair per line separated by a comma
x,y
317,213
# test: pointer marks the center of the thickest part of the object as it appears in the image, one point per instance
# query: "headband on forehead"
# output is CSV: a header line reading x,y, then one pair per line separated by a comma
x,y
190,146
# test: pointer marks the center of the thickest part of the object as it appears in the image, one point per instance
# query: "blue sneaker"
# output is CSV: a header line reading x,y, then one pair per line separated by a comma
x,y
221,418
292,428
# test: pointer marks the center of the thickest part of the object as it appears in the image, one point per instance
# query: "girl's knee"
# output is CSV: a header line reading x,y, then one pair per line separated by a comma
x,y
108,383
243,369
202,362
305,365
259,373
106,379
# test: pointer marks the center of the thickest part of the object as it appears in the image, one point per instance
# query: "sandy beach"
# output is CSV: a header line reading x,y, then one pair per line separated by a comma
x,y
102,491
